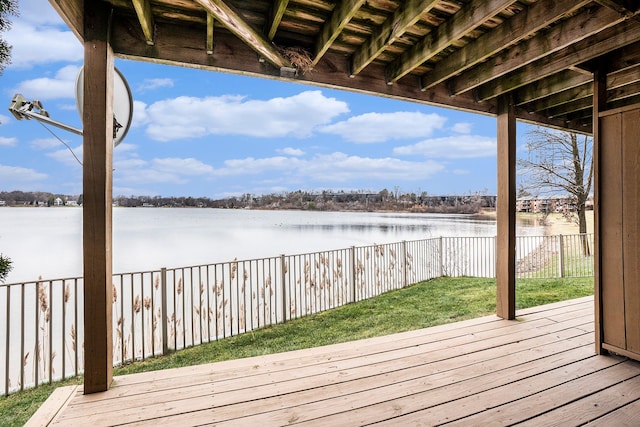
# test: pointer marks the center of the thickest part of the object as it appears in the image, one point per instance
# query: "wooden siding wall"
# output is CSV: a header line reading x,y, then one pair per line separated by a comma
x,y
619,207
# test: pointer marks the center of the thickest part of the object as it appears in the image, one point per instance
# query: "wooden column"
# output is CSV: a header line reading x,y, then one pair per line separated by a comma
x,y
97,154
599,102
506,210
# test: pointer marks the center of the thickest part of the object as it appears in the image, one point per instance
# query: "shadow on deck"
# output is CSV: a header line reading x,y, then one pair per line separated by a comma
x,y
538,370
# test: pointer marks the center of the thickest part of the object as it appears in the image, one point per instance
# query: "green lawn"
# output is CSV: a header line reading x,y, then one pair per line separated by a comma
x,y
426,304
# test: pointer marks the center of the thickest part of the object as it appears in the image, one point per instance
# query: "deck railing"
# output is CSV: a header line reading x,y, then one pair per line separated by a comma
x,y
158,311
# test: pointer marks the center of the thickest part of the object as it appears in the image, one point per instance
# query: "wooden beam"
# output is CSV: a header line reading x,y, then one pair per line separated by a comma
x,y
468,18
532,19
549,86
72,12
599,102
97,169
593,47
580,104
231,19
180,45
332,28
557,38
143,10
406,15
626,8
623,77
279,7
211,22
557,89
580,125
563,97
506,210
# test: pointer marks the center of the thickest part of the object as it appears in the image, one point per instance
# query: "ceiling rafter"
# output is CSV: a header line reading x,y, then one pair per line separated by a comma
x,y
569,107
628,8
231,19
332,28
541,89
618,83
574,124
585,50
143,11
394,27
468,18
578,27
532,19
583,91
211,22
278,10
427,49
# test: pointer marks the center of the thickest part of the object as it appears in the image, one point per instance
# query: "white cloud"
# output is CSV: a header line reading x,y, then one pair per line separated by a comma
x,y
37,45
33,12
340,167
462,127
8,142
67,156
190,117
252,165
140,117
189,166
152,84
335,167
289,151
4,119
380,127
461,172
62,85
135,171
452,147
14,175
44,143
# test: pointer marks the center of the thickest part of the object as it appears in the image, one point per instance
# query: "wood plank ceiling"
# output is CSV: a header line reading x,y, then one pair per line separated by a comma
x,y
458,53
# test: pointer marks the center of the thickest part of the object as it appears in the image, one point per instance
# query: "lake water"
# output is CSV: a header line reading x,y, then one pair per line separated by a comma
x,y
47,242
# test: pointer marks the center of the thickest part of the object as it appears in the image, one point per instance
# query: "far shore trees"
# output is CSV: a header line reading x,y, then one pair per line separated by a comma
x,y
559,162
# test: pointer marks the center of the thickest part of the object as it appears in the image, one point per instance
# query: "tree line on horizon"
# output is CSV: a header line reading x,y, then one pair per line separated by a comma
x,y
301,200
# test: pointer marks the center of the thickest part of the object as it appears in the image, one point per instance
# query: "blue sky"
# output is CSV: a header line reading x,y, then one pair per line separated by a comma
x,y
199,133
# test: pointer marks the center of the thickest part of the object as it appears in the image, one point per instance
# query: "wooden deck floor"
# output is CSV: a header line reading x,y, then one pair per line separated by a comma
x,y
538,370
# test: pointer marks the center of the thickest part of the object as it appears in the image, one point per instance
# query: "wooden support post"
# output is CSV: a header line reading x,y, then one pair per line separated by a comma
x,y
599,103
506,210
97,186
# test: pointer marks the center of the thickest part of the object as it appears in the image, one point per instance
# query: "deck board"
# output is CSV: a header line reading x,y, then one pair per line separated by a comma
x,y
540,369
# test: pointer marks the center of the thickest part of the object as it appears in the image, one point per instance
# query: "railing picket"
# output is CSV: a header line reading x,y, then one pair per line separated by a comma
x,y
7,341
251,294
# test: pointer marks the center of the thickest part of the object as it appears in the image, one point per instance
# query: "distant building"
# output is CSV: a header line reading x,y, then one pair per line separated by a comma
x,y
58,202
552,204
3,203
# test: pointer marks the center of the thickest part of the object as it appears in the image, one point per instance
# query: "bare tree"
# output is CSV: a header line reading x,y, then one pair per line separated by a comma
x,y
559,162
7,8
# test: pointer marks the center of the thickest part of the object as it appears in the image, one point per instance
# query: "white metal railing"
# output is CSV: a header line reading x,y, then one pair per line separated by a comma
x,y
158,311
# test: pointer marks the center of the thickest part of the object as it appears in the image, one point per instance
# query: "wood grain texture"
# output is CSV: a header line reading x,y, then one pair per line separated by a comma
x,y
473,372
506,215
97,158
610,207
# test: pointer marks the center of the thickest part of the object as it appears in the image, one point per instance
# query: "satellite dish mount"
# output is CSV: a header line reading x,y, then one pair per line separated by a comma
x,y
21,108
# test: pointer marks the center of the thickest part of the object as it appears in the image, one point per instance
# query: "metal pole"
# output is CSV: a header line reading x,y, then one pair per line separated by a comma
x,y
163,320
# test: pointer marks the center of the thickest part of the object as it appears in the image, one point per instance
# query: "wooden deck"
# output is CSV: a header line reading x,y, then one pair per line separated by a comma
x,y
538,370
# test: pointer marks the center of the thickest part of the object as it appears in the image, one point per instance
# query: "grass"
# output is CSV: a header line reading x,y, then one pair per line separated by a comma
x,y
426,304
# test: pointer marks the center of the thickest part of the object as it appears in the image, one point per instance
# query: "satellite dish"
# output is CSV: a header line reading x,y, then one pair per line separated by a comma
x,y
122,104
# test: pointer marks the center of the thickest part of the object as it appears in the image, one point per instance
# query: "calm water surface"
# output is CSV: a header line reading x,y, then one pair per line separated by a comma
x,y
47,242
